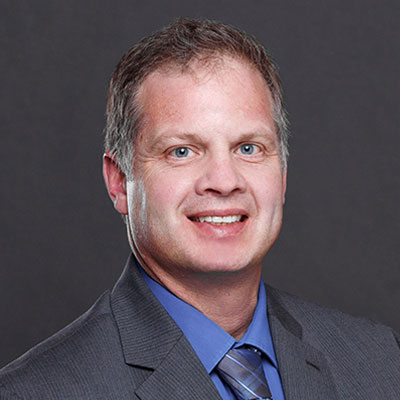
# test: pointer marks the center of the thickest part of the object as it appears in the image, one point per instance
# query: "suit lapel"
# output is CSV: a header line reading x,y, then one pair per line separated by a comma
x,y
152,341
180,376
303,369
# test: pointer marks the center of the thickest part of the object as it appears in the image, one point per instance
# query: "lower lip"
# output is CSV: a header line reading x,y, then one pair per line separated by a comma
x,y
220,231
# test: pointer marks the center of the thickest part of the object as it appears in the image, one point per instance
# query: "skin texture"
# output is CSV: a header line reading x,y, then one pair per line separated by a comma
x,y
208,146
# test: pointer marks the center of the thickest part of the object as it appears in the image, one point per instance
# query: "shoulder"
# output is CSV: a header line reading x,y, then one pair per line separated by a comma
x,y
360,356
64,357
324,326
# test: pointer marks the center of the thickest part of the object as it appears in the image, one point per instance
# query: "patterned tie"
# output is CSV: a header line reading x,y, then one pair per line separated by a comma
x,y
242,370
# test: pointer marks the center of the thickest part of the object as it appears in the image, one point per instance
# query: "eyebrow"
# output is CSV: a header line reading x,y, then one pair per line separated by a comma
x,y
177,136
164,138
267,135
261,134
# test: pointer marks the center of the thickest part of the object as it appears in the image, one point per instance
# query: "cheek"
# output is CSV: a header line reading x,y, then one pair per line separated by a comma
x,y
165,193
268,192
164,196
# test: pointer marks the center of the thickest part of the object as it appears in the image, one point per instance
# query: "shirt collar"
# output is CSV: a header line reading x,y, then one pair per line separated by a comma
x,y
209,341
258,333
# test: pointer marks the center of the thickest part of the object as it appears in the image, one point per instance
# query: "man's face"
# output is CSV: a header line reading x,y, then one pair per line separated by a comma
x,y
208,186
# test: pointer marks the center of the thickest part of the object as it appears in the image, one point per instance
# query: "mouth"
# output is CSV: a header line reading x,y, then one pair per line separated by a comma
x,y
219,220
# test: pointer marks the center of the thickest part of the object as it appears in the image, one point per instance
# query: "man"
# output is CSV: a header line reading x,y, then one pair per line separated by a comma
x,y
195,162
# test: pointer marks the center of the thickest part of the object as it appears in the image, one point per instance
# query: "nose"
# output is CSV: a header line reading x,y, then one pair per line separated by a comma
x,y
220,176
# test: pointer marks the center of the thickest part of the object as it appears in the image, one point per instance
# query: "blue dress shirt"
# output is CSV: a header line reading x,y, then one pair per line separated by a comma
x,y
211,342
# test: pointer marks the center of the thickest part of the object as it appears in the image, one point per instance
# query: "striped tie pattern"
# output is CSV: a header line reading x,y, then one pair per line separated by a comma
x,y
242,370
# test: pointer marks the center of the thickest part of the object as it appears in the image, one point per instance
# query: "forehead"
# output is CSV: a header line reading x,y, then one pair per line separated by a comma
x,y
228,93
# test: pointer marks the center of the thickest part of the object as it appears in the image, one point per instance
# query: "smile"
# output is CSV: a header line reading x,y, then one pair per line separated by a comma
x,y
219,220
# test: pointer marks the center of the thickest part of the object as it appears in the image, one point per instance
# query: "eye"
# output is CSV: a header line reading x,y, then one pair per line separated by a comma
x,y
181,152
248,149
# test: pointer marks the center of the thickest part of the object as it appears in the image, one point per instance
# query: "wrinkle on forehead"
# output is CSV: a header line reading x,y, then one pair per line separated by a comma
x,y
153,91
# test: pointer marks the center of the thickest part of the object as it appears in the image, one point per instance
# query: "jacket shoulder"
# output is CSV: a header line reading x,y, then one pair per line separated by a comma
x,y
71,362
327,327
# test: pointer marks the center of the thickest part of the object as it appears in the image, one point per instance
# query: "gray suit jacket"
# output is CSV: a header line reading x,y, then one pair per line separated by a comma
x,y
127,347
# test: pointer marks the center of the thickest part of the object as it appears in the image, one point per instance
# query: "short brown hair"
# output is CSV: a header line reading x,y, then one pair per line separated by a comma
x,y
180,43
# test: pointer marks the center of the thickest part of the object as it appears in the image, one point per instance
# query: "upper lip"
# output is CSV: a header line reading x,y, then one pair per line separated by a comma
x,y
218,213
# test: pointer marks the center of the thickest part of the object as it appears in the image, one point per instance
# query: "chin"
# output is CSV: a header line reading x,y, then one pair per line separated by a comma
x,y
207,261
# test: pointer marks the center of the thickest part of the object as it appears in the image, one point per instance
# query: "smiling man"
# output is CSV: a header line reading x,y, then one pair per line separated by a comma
x,y
199,219
195,161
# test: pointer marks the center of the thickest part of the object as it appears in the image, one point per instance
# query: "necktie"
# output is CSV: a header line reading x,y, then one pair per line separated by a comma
x,y
242,370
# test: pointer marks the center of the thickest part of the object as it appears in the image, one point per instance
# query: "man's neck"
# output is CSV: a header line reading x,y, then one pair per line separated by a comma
x,y
228,298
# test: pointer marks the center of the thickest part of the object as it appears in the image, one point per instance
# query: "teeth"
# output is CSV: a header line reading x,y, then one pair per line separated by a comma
x,y
229,219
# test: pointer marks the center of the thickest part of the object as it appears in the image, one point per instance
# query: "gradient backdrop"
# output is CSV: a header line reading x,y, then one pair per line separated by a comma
x,y
62,244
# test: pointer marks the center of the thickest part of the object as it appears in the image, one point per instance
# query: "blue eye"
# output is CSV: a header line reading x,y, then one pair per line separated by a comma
x,y
247,148
181,152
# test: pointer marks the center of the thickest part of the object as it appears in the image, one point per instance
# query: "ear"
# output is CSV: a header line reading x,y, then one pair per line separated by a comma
x,y
115,181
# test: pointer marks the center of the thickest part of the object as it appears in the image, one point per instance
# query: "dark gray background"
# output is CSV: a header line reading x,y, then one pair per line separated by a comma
x,y
62,243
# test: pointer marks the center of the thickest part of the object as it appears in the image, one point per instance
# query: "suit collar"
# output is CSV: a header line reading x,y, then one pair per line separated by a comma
x,y
150,339
138,314
304,369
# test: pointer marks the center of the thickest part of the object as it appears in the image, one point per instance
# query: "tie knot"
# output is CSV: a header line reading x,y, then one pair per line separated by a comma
x,y
242,370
